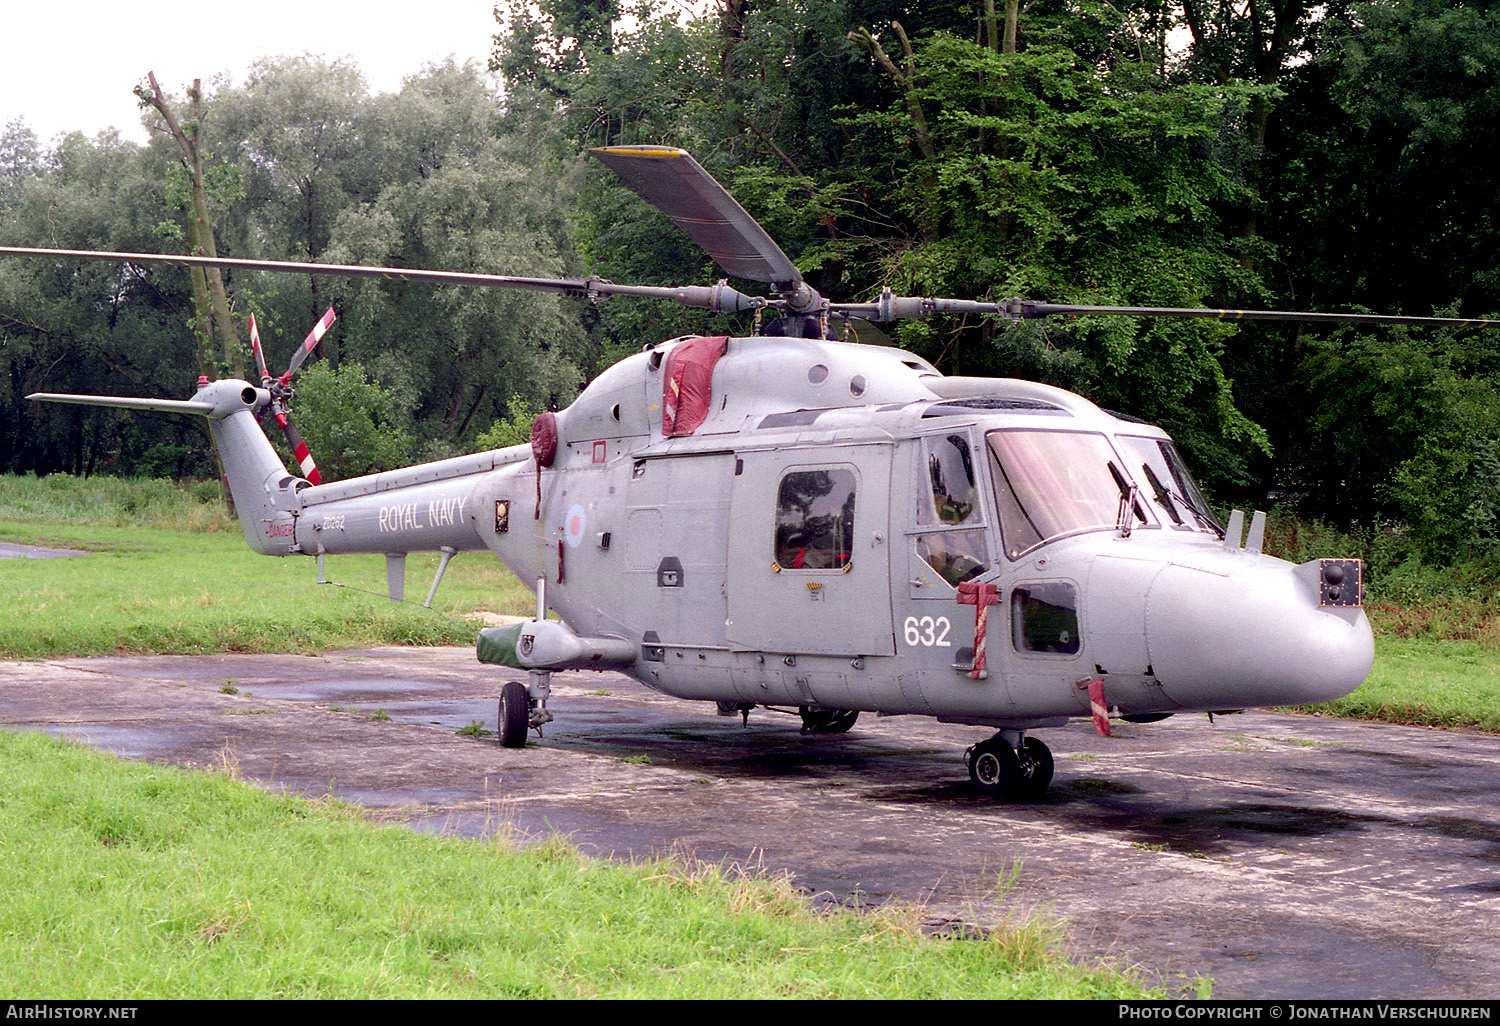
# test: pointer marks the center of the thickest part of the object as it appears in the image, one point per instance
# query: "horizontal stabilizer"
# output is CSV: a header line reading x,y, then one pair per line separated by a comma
x,y
215,400
124,403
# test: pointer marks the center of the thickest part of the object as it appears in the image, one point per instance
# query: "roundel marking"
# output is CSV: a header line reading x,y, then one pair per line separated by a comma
x,y
573,526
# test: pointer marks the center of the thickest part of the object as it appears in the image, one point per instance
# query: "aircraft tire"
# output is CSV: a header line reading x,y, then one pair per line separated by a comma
x,y
1036,768
994,768
515,715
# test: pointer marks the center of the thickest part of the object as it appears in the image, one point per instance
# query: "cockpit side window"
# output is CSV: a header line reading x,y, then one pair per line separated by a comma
x,y
1044,618
953,541
815,519
954,487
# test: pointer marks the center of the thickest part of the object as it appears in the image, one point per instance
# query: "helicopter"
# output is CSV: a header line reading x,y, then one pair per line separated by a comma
x,y
793,521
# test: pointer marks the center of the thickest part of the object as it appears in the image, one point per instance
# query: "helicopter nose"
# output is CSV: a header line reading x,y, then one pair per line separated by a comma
x,y
1253,635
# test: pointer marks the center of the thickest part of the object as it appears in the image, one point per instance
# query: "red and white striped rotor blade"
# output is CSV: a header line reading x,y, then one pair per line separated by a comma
x,y
309,343
260,356
299,448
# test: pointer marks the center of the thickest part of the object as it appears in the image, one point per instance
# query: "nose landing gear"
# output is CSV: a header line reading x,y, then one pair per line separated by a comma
x,y
1010,766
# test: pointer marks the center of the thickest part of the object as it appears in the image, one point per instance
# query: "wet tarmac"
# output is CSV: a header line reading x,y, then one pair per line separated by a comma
x,y
1282,856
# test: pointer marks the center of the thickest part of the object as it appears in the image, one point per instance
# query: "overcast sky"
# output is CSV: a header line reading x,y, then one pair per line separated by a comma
x,y
71,64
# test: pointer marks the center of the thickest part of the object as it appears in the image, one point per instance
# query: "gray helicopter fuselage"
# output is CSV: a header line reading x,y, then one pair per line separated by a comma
x,y
819,538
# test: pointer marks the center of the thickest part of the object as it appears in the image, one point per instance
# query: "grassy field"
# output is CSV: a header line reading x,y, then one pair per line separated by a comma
x,y
167,884
1428,682
154,589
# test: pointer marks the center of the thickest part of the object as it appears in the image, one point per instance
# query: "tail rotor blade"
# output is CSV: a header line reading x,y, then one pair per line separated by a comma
x,y
299,448
309,343
281,392
260,355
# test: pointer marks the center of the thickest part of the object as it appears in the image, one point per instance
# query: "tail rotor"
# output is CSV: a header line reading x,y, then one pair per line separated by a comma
x,y
281,390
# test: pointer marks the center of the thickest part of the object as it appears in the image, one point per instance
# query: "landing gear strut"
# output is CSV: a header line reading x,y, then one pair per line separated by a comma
x,y
1010,766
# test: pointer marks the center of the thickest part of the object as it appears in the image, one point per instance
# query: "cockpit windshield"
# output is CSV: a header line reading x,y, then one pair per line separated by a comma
x,y
1052,483
1164,478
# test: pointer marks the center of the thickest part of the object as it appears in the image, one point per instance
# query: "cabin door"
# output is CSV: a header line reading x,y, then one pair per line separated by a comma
x,y
809,551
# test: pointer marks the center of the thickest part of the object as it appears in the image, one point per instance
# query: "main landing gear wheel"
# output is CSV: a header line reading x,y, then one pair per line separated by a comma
x,y
1036,767
828,721
515,714
994,768
1001,771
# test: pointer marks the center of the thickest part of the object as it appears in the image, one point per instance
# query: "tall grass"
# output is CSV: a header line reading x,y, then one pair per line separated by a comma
x,y
114,502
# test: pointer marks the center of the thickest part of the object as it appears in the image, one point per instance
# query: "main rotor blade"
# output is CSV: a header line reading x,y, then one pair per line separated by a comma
x,y
673,182
892,308
1026,309
716,298
721,298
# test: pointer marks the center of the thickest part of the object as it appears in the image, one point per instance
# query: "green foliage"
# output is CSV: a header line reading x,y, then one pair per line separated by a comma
x,y
308,166
1404,427
1393,133
351,425
1078,176
114,502
223,597
458,194
512,429
1331,157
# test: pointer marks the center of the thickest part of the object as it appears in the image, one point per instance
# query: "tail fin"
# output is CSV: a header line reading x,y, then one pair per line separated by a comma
x,y
265,494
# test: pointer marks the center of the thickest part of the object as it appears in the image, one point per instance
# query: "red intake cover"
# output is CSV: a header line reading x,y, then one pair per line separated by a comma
x,y
544,438
687,386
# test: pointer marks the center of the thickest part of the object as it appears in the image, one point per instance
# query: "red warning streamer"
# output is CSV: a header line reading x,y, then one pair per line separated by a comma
x,y
981,597
1098,706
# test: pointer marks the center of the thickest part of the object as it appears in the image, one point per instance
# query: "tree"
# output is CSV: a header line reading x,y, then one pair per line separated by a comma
x,y
1256,41
1386,198
210,302
297,128
93,327
20,160
1067,170
443,174
460,193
